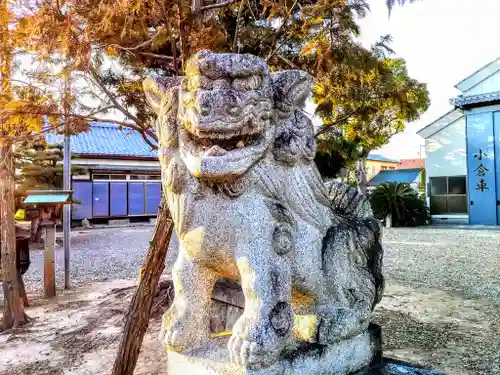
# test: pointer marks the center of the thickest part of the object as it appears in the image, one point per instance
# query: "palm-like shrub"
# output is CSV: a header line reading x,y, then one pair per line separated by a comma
x,y
401,202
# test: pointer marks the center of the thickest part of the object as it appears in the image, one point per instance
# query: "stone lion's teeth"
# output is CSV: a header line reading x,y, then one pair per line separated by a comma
x,y
240,144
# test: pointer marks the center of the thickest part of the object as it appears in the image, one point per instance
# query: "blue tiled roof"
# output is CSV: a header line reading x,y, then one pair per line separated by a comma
x,y
376,157
107,140
406,176
469,100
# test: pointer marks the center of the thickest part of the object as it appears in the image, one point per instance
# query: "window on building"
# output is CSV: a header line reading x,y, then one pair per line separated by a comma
x,y
145,177
374,171
384,168
448,195
100,177
117,176
107,177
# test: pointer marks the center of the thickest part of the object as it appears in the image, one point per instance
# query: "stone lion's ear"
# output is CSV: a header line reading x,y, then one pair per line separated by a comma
x,y
155,89
292,87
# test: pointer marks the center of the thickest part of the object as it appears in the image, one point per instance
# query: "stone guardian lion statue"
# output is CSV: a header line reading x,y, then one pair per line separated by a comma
x,y
249,204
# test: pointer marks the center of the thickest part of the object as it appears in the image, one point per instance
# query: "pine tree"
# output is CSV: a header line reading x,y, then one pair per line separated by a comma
x,y
40,168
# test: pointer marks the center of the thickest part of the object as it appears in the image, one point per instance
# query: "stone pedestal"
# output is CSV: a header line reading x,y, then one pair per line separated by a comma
x,y
344,358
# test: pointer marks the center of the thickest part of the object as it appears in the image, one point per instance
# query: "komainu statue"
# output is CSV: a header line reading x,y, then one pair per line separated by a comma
x,y
249,204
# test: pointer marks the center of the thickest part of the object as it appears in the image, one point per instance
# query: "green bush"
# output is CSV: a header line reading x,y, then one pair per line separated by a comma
x,y
401,202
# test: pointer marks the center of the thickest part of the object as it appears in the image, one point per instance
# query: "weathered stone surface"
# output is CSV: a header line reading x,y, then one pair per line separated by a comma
x,y
248,204
342,358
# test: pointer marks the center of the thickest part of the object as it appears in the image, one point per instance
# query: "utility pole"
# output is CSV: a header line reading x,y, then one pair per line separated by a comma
x,y
66,186
67,208
67,173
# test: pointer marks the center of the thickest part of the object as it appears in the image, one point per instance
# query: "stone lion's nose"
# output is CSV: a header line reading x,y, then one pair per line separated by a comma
x,y
219,103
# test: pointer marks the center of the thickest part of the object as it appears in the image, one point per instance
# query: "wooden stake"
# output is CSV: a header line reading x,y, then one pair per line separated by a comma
x,y
49,278
22,290
137,318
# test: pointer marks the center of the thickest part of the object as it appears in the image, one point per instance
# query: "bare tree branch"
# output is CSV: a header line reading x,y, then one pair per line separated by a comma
x,y
329,127
112,97
219,5
288,13
101,110
237,31
164,57
139,46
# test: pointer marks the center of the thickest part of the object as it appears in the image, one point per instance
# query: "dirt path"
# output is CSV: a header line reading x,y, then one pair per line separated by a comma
x,y
78,333
446,331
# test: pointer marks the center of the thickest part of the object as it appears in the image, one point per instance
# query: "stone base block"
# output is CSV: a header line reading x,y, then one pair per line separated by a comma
x,y
343,358
390,366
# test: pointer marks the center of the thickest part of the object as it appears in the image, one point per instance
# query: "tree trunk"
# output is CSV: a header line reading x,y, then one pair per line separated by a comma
x,y
13,315
139,311
361,176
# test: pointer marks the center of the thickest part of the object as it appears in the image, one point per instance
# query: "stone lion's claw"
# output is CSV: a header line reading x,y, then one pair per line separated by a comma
x,y
245,352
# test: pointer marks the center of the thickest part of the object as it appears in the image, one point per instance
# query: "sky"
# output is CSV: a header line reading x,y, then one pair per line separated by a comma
x,y
442,41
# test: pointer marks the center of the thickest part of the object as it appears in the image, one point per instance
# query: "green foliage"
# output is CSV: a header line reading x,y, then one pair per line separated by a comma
x,y
335,153
401,202
40,166
379,102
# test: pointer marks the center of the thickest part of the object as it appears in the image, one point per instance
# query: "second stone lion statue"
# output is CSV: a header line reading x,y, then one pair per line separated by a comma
x,y
248,204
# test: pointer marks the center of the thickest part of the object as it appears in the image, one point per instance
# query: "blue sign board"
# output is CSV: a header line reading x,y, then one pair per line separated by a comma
x,y
481,169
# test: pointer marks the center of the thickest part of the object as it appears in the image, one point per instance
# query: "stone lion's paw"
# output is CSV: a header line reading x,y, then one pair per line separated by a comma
x,y
179,336
246,353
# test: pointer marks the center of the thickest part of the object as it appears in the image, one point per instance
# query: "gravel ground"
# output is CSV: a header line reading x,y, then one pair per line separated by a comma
x,y
462,261
96,255
441,307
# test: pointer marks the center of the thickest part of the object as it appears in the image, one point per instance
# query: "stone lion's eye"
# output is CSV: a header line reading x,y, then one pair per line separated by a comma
x,y
247,84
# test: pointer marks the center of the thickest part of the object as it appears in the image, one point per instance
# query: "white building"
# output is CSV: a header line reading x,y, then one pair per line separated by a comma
x,y
463,153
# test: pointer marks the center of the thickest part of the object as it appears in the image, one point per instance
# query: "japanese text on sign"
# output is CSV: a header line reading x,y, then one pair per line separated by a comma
x,y
481,171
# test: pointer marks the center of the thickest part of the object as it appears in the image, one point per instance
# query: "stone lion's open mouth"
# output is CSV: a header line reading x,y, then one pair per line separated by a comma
x,y
220,147
220,143
221,150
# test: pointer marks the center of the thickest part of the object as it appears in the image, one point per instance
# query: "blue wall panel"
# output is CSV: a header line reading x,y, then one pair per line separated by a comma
x,y
136,198
118,199
100,207
153,197
82,191
481,169
497,159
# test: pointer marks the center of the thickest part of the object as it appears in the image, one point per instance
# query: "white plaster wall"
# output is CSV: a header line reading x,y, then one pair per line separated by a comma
x,y
490,84
125,163
446,151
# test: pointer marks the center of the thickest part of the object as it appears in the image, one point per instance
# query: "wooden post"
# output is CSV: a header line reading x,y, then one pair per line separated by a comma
x,y
22,290
49,278
137,318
